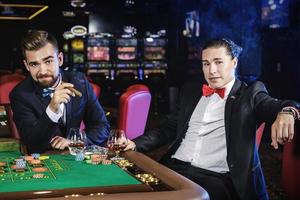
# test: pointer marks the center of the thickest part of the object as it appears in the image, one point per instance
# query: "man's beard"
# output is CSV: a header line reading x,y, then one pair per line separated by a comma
x,y
46,83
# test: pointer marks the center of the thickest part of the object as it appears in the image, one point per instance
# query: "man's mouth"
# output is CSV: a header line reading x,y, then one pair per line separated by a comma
x,y
213,78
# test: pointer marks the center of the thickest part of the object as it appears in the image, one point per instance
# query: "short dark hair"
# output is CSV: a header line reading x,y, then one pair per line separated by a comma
x,y
36,39
233,49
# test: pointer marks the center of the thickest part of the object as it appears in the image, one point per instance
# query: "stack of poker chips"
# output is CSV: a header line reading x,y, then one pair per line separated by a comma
x,y
79,156
20,164
96,159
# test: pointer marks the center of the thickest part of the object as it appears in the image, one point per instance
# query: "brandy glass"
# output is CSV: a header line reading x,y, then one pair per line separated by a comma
x,y
117,141
77,141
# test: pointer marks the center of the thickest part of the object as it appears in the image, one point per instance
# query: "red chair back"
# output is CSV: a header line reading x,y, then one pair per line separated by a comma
x,y
7,84
291,171
259,133
134,107
96,88
138,87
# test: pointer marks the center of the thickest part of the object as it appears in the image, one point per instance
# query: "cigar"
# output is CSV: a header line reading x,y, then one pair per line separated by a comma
x,y
76,92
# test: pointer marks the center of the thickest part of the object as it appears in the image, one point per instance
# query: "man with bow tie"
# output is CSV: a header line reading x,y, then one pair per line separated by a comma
x,y
44,104
212,133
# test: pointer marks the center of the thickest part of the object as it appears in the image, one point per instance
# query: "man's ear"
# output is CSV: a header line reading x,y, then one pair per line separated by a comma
x,y
25,63
235,62
60,59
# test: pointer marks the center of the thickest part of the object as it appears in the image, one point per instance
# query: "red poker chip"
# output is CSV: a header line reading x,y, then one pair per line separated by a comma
x,y
2,164
39,169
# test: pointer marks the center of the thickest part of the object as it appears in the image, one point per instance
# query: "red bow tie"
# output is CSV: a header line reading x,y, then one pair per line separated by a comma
x,y
207,91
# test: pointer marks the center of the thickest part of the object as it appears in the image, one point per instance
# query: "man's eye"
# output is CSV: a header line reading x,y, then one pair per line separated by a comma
x,y
205,64
48,62
219,62
34,65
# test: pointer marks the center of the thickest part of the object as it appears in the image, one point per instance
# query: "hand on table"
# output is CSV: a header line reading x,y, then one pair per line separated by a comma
x,y
282,129
58,142
130,145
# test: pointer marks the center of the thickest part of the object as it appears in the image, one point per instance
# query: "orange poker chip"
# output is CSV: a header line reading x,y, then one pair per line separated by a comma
x,y
2,164
28,158
14,167
95,156
39,169
34,162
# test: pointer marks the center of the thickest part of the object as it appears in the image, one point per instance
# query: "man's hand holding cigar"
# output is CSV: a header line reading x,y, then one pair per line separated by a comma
x,y
62,94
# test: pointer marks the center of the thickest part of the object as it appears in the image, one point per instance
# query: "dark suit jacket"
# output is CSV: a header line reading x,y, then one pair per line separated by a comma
x,y
245,108
37,129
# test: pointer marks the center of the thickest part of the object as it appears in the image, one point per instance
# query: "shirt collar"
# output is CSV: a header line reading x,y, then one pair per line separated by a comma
x,y
229,86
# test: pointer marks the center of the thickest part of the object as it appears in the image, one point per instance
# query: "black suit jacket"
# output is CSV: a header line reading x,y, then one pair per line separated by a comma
x,y
245,108
37,129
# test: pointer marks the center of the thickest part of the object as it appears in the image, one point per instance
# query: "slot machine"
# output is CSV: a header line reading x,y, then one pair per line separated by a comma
x,y
99,63
154,57
77,53
126,65
154,68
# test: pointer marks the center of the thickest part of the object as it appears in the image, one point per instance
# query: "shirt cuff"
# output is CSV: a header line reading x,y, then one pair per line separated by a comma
x,y
293,111
52,115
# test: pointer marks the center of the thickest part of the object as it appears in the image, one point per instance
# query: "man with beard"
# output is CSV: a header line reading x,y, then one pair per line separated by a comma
x,y
45,106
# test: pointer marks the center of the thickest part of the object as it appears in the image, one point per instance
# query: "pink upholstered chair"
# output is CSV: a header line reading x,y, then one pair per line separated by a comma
x,y
134,107
7,83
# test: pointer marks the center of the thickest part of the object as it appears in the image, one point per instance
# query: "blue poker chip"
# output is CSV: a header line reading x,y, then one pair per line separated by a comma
x,y
35,155
79,157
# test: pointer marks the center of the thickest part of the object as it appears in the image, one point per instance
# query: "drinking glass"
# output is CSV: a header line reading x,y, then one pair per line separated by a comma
x,y
117,141
77,139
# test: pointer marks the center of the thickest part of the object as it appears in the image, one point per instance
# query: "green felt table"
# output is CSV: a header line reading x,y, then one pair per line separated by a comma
x,y
62,172
67,178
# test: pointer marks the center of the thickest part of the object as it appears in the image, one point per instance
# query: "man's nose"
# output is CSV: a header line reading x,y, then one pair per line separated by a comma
x,y
43,69
212,69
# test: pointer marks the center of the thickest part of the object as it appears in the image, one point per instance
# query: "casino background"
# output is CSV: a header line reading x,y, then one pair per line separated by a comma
x,y
157,43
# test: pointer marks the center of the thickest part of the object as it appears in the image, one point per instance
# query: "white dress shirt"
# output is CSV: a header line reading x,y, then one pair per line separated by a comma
x,y
61,111
204,145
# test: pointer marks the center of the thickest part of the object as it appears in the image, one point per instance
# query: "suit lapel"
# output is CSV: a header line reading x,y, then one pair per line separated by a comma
x,y
68,106
232,96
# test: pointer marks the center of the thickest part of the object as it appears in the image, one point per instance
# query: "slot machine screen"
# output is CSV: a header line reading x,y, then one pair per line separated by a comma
x,y
98,49
126,49
78,58
77,45
154,49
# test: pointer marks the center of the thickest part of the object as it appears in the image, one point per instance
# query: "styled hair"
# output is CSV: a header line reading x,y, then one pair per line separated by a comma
x,y
232,49
36,39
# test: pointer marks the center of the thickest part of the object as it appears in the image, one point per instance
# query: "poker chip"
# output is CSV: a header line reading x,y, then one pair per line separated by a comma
x,y
35,155
27,158
2,171
2,164
106,162
39,169
35,162
43,157
38,176
79,157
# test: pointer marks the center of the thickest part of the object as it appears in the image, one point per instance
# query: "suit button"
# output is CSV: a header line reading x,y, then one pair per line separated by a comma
x,y
231,165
